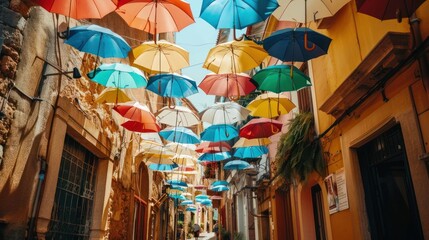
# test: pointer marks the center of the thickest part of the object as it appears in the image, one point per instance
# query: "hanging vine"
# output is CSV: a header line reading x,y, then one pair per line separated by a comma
x,y
299,154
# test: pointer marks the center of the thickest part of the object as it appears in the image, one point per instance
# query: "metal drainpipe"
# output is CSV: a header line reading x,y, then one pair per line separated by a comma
x,y
35,207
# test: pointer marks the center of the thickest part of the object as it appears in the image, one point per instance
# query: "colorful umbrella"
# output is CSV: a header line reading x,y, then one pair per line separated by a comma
x,y
141,127
78,9
176,196
112,95
224,113
158,158
162,167
235,57
219,183
236,165
179,135
219,133
151,147
99,41
215,197
118,75
280,78
183,150
202,196
231,85
159,57
214,157
178,116
157,16
270,105
154,137
206,202
184,169
307,10
250,152
392,9
191,209
177,183
135,112
220,188
296,44
260,128
244,142
185,160
172,85
186,202
213,147
236,14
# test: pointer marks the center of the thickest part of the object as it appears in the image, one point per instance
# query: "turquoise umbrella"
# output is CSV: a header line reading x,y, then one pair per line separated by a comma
x,y
280,78
172,85
214,157
202,196
219,183
206,202
250,152
220,188
236,165
179,135
191,209
118,75
186,202
176,182
219,132
162,167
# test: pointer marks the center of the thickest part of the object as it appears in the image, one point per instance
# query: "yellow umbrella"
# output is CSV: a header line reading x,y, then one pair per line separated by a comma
x,y
244,142
185,160
235,57
270,105
183,149
112,95
161,56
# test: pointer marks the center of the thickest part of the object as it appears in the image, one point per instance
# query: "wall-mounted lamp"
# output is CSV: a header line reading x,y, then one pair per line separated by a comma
x,y
75,71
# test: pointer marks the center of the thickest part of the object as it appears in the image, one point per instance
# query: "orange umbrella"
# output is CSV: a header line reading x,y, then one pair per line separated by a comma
x,y
135,112
156,16
78,9
140,127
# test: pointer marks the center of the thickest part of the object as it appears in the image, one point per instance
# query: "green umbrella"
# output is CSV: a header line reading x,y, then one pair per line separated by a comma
x,y
280,78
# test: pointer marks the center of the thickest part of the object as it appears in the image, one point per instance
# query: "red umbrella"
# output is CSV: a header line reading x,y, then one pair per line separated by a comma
x,y
388,9
78,9
185,168
141,127
260,128
227,84
213,147
135,112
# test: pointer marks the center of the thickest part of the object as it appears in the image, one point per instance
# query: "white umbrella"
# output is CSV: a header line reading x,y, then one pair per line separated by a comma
x,y
154,137
177,117
183,149
185,160
293,10
224,113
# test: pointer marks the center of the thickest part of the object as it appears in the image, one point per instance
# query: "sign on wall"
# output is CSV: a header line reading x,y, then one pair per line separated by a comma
x,y
337,191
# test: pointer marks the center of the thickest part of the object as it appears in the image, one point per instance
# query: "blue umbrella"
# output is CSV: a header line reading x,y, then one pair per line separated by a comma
x,y
99,41
118,75
250,152
219,183
162,167
176,182
186,202
206,202
172,85
191,209
236,14
220,188
202,196
300,44
236,165
219,132
214,157
179,135
177,196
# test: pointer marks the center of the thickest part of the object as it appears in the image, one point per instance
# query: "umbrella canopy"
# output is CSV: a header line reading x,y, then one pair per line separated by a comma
x,y
214,157
270,105
234,57
236,13
392,9
206,202
177,183
228,85
236,165
219,183
159,57
146,127
185,160
185,169
177,196
213,147
224,113
294,11
280,78
162,167
112,95
202,196
118,75
183,150
244,142
250,152
158,16
163,158
135,112
172,85
191,209
78,9
219,133
215,197
296,44
260,128
220,188
179,135
99,41
186,202
178,116
151,147
154,137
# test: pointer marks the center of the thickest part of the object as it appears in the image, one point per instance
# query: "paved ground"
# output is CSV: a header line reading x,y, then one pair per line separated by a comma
x,y
206,236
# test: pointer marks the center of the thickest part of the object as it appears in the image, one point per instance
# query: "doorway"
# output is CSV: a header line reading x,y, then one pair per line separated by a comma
x,y
389,195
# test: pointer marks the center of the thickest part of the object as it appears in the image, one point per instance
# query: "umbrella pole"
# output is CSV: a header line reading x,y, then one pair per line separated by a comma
x,y
306,46
96,60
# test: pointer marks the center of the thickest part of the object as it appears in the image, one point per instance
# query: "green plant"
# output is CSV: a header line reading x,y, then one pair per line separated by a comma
x,y
298,153
238,236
